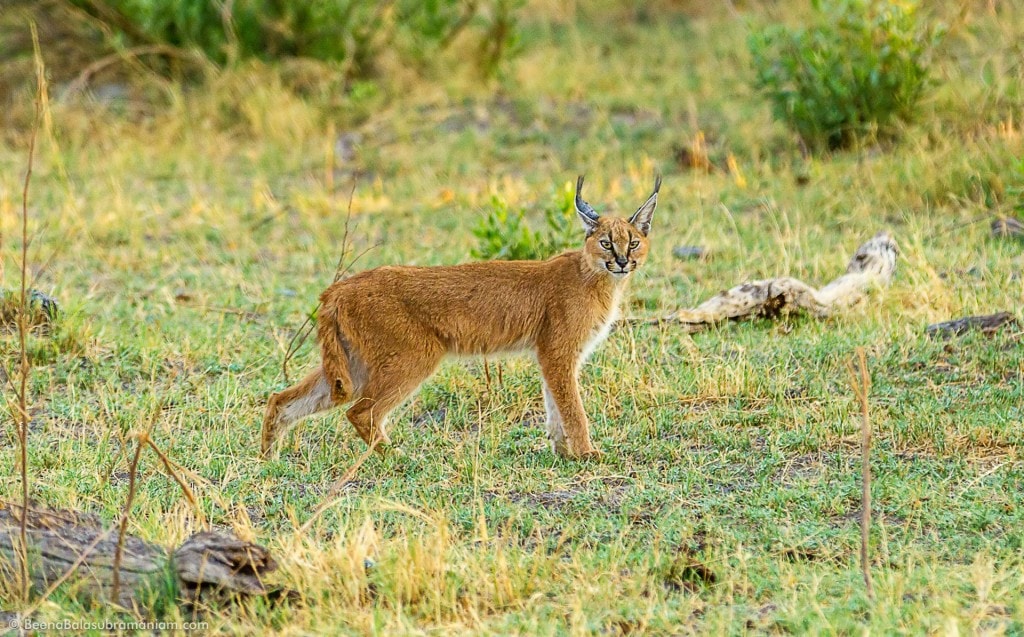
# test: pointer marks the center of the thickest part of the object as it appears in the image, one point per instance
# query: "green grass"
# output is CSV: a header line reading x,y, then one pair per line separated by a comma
x,y
187,242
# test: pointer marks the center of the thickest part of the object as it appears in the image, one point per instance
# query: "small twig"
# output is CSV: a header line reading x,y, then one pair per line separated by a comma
x,y
463,21
862,387
338,269
297,340
165,50
958,226
331,500
356,258
330,160
228,20
109,18
181,483
234,311
123,525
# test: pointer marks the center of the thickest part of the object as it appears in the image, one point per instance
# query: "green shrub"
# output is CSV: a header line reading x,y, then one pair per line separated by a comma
x,y
353,31
1016,189
504,233
859,69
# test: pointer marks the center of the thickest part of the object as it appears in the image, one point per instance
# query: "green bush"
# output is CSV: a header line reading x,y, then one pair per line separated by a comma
x,y
859,69
1016,189
352,31
504,233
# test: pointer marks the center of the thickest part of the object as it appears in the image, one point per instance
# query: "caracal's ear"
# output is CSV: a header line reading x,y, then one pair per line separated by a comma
x,y
641,219
583,210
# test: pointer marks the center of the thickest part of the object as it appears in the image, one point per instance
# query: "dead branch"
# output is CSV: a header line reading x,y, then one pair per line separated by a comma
x,y
1007,227
165,50
65,546
873,264
987,324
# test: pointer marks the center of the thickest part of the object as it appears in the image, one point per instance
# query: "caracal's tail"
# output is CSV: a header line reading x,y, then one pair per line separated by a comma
x,y
327,386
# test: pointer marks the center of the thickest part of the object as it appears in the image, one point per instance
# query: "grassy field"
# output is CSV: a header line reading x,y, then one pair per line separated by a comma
x,y
187,236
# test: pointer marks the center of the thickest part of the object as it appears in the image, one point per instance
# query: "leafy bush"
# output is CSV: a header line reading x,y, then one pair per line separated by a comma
x,y
859,69
505,233
353,31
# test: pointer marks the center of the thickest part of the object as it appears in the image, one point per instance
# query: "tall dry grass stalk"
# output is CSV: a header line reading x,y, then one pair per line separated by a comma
x,y
24,366
861,382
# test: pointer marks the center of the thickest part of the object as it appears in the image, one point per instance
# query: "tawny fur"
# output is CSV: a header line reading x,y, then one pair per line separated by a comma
x,y
385,331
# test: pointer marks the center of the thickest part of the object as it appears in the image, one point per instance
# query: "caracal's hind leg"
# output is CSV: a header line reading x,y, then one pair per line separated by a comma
x,y
387,386
309,396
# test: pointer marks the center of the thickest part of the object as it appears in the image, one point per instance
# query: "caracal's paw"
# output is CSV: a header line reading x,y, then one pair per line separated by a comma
x,y
592,454
390,450
384,448
587,453
266,447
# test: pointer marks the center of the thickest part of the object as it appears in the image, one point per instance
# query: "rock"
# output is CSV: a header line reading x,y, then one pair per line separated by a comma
x,y
688,253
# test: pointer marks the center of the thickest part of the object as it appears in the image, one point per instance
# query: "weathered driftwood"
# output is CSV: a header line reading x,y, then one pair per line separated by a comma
x,y
873,264
57,540
1007,227
986,324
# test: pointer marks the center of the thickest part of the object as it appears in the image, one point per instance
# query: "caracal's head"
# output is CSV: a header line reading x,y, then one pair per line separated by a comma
x,y
616,247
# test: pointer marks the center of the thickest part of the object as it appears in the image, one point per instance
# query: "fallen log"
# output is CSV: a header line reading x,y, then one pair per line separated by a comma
x,y
1007,227
873,264
60,542
986,324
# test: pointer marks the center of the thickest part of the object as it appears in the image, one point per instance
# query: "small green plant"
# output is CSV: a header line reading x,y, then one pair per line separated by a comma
x,y
506,234
1016,190
858,70
562,226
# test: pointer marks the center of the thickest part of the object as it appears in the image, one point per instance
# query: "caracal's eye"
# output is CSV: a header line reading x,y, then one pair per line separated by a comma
x,y
607,245
634,244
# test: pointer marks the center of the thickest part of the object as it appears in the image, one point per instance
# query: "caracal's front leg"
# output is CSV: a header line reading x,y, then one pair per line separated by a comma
x,y
556,429
567,422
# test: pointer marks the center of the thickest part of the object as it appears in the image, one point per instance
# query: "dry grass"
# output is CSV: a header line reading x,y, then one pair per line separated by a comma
x,y
187,237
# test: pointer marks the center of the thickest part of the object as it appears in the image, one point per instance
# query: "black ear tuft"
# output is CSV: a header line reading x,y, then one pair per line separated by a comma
x,y
588,217
641,219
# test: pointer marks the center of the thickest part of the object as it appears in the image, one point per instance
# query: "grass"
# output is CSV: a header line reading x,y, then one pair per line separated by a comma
x,y
187,235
